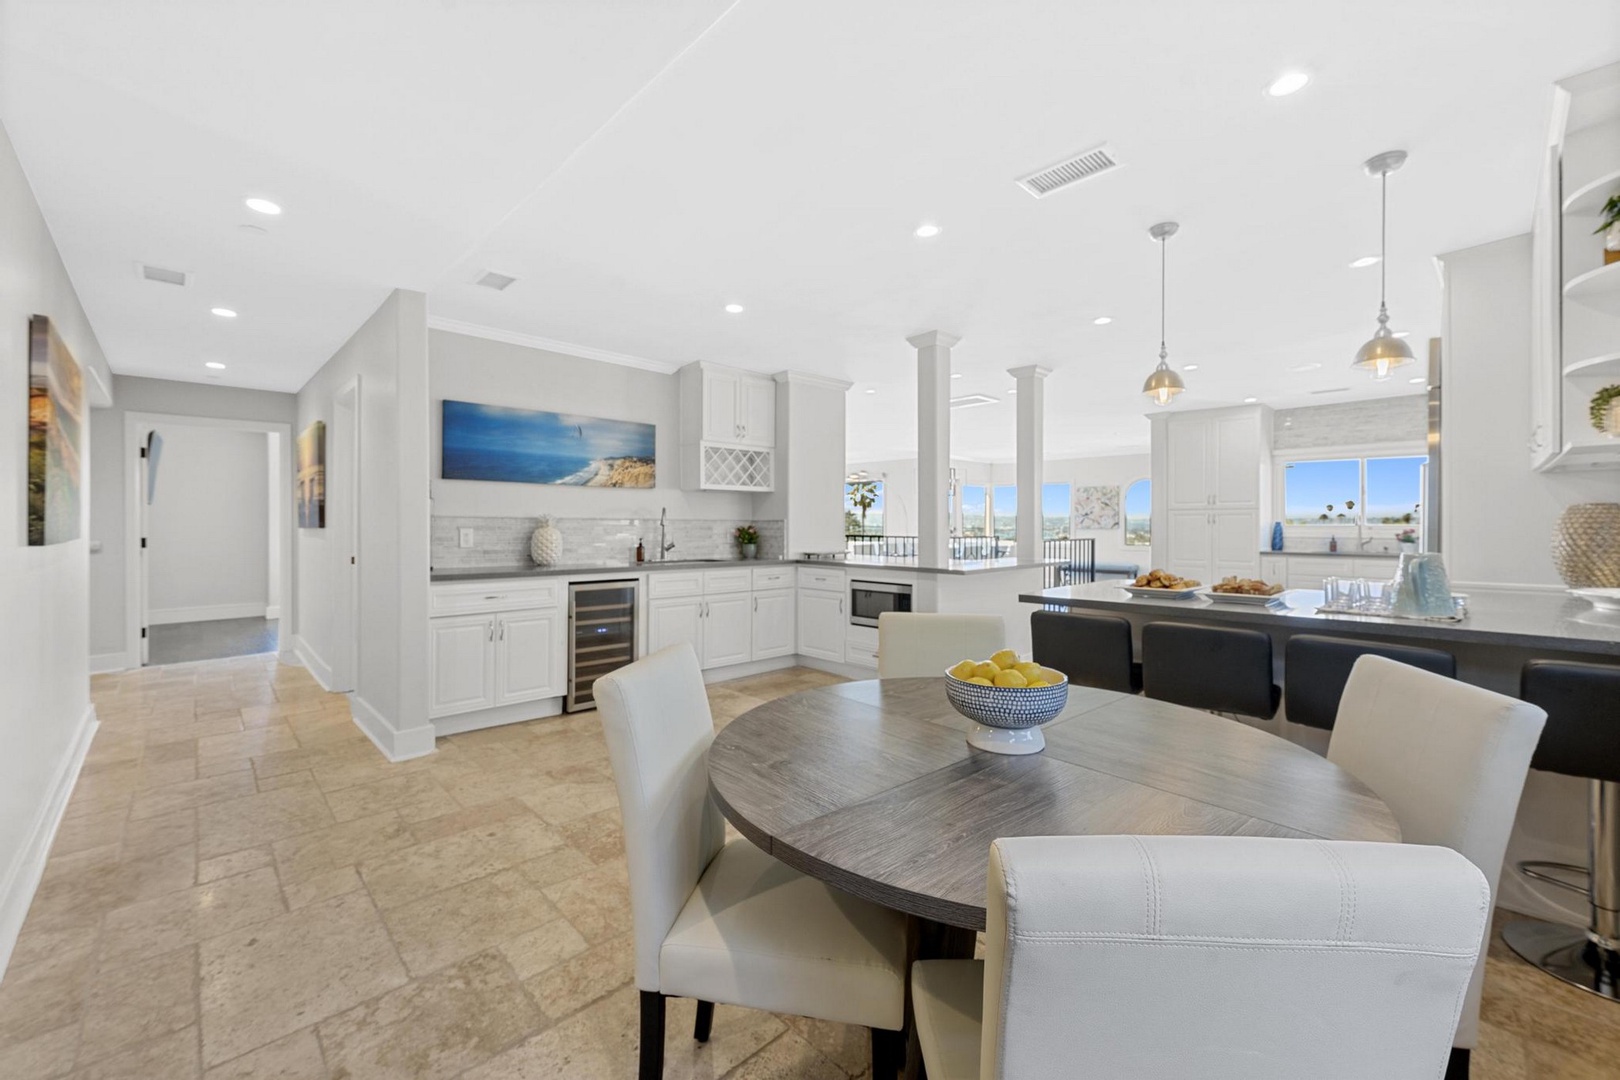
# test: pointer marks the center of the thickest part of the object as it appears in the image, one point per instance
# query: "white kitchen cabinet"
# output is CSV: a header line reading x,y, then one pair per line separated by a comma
x,y
1207,545
1211,485
773,624
822,622
1216,459
757,412
728,429
527,648
461,673
722,405
727,630
1187,551
673,620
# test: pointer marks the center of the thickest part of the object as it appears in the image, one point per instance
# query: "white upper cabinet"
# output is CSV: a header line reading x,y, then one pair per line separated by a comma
x,y
1216,459
728,429
1214,469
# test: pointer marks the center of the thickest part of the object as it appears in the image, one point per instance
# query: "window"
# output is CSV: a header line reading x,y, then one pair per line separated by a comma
x,y
973,510
1378,495
1054,511
863,507
1139,514
1004,511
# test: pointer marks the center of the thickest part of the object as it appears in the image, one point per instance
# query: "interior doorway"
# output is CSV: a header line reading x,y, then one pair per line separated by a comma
x,y
208,536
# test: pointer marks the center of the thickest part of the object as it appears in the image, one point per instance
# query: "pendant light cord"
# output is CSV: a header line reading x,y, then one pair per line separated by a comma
x,y
1383,238
1163,287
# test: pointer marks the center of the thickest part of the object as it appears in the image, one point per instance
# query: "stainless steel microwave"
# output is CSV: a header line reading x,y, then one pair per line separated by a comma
x,y
869,599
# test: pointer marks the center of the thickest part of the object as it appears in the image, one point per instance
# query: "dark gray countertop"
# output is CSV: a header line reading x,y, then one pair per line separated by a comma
x,y
852,564
1334,554
1515,617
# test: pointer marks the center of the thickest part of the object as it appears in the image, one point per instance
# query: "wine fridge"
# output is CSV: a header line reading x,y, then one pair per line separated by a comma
x,y
601,635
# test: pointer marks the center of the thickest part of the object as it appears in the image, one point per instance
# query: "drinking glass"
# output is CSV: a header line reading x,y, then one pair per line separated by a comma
x,y
1330,592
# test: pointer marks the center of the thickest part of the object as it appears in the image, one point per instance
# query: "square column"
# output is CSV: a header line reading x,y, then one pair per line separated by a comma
x,y
1031,381
933,444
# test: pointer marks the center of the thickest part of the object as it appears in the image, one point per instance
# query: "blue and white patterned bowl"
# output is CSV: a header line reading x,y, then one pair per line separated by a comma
x,y
1009,707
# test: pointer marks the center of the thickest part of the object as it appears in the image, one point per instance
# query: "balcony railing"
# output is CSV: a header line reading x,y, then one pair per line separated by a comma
x,y
1069,561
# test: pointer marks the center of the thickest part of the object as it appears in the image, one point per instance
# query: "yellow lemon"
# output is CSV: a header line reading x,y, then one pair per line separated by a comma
x,y
1009,677
980,680
1005,659
985,670
964,670
1039,682
1052,676
1029,670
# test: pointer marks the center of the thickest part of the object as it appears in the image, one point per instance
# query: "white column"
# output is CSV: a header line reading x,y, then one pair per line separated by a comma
x,y
933,444
1031,381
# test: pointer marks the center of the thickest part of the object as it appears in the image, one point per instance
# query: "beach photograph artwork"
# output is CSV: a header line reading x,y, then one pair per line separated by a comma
x,y
55,436
525,446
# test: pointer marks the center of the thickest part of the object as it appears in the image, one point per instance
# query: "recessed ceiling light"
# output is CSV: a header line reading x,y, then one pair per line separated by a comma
x,y
215,364
1403,333
1250,400
263,206
1418,379
1101,320
956,374
1365,261
1189,367
1014,390
871,391
223,312
927,229
1288,82
734,309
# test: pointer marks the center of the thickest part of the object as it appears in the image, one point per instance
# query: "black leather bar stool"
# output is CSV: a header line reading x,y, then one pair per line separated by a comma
x,y
1208,667
1316,669
1092,650
1582,738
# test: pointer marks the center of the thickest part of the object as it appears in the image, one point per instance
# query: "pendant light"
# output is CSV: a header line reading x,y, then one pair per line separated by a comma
x,y
1163,384
1383,352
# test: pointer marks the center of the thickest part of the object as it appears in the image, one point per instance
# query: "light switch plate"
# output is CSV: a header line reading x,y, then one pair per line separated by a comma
x,y
464,537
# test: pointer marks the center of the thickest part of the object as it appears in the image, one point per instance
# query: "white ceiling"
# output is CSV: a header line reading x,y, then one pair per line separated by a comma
x,y
639,165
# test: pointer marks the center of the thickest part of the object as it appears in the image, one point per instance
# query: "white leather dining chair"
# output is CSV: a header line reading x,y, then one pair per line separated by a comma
x,y
1450,761
725,922
914,645
1221,958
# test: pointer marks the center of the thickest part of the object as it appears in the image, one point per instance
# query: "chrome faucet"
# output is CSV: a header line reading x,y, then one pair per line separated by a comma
x,y
663,548
1365,543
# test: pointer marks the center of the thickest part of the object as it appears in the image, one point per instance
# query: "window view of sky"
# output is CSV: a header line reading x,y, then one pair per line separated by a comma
x,y
873,519
1139,513
1332,492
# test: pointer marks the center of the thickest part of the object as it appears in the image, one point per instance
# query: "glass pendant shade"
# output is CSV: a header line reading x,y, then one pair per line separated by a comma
x,y
1163,384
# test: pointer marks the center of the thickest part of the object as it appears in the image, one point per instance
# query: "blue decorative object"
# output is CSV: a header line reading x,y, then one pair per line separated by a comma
x,y
1422,588
1276,536
1007,718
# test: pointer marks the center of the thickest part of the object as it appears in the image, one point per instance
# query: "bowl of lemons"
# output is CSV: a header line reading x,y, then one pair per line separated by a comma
x,y
1008,700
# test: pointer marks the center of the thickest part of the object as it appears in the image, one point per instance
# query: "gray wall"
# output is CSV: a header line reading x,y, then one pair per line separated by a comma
x,y
44,656
1352,423
111,463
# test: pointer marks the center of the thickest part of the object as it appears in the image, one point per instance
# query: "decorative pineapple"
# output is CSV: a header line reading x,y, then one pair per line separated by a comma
x,y
545,545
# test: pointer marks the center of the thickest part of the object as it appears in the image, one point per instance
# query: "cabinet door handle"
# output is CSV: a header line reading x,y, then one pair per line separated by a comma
x,y
840,605
503,630
756,603
492,629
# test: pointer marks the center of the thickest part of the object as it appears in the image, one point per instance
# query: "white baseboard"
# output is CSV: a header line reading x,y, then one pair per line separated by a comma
x,y
848,671
273,611
23,875
395,745
752,667
499,716
312,660
101,663
204,613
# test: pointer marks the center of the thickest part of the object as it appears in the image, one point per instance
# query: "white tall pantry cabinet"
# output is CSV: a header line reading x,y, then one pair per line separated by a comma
x,y
1211,491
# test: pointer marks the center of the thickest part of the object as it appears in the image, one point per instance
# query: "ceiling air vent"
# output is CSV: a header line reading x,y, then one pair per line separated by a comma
x,y
159,274
1070,171
1333,390
494,279
968,401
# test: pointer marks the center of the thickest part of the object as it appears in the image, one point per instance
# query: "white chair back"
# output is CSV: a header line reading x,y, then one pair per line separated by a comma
x,y
656,716
1450,761
914,645
1225,958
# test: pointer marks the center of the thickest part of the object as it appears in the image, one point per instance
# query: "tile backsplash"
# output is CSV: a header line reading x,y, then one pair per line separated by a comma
x,y
504,541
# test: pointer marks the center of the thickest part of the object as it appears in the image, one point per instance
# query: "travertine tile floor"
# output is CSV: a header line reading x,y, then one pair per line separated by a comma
x,y
243,889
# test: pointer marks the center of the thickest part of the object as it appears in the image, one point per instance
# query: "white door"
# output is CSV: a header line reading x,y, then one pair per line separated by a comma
x,y
143,599
1188,449
727,630
759,412
1235,469
773,624
821,625
343,519
722,407
1235,536
528,660
1187,552
674,620
461,664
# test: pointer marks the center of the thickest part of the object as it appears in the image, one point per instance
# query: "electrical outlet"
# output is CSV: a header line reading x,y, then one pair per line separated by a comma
x,y
464,537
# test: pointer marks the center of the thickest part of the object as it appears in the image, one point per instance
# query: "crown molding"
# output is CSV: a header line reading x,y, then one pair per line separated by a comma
x,y
934,339
804,378
1029,371
584,352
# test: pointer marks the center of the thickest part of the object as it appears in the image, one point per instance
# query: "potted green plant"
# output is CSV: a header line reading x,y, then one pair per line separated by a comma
x,y
1610,228
1407,539
747,541
1605,410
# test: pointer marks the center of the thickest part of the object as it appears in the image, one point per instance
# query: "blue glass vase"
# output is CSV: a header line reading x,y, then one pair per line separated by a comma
x,y
1276,536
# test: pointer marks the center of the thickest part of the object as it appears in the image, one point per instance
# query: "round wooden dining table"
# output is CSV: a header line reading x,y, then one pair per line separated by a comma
x,y
872,787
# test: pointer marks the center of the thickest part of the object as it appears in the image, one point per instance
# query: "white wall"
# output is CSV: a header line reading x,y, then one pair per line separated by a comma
x,y
389,355
208,526
111,462
1498,515
1120,471
45,716
464,368
810,417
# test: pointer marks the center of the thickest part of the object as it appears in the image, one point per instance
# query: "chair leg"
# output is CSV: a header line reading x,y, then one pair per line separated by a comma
x,y
652,1035
705,1021
888,1053
1457,1067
